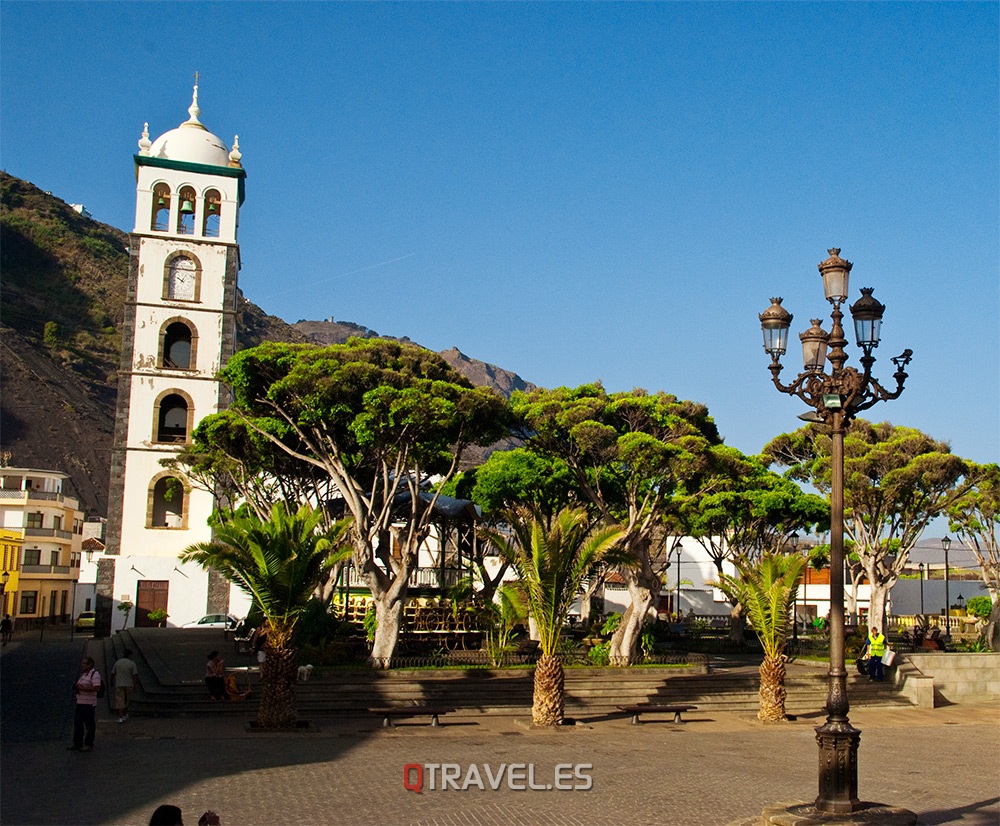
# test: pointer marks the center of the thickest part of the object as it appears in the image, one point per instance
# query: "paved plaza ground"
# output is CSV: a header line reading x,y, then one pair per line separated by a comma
x,y
717,768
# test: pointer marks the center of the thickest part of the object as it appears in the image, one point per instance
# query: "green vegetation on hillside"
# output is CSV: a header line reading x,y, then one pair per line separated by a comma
x,y
64,279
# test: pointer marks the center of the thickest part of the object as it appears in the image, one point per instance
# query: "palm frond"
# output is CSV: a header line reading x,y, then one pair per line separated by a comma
x,y
278,562
552,558
766,590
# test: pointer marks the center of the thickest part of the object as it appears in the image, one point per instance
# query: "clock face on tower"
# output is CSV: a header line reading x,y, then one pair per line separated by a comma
x,y
182,279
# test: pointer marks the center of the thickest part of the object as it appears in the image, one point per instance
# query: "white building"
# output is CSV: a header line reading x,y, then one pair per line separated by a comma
x,y
179,331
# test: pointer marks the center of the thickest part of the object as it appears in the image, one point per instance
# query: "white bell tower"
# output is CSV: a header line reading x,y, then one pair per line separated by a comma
x,y
179,330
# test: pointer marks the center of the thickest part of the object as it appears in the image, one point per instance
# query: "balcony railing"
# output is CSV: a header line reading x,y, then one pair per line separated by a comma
x,y
56,533
45,569
38,496
419,578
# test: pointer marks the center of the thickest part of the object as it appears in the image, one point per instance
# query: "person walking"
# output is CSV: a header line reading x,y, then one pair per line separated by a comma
x,y
86,688
215,674
876,648
6,628
125,679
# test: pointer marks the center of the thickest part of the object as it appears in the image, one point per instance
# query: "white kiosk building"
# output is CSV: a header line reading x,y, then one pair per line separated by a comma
x,y
179,330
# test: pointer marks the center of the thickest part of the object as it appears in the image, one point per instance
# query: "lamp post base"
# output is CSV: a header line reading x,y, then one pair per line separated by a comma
x,y
838,767
806,814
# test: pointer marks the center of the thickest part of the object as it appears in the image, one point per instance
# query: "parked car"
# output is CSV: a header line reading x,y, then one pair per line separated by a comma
x,y
213,621
85,622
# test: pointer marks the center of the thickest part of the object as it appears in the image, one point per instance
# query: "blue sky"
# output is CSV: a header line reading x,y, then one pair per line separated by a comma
x,y
570,191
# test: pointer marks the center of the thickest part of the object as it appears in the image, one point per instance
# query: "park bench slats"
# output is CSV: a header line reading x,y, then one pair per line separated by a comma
x,y
656,708
388,712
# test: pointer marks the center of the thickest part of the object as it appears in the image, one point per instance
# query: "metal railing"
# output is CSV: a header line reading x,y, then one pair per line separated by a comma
x,y
419,578
56,533
38,495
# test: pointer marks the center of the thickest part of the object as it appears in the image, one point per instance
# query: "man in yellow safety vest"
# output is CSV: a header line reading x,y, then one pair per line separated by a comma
x,y
876,648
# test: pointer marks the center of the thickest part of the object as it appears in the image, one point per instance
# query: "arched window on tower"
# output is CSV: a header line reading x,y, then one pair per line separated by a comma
x,y
185,215
165,508
213,214
177,346
182,276
160,219
172,413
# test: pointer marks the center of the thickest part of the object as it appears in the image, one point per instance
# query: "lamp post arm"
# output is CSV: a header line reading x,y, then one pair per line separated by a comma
x,y
873,392
807,386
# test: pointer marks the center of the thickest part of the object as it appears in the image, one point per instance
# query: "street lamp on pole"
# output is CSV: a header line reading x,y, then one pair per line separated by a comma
x,y
680,614
835,397
793,540
946,546
921,567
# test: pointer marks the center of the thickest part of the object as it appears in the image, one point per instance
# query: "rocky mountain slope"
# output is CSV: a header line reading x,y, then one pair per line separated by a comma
x,y
62,291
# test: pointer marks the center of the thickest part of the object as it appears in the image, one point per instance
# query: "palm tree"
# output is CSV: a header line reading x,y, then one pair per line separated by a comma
x,y
552,558
279,562
766,590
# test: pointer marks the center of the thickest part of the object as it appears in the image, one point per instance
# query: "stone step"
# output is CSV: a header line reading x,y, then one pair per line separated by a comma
x,y
335,691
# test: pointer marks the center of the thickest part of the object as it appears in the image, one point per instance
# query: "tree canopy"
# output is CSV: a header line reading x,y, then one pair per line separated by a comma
x,y
629,454
749,510
896,480
364,425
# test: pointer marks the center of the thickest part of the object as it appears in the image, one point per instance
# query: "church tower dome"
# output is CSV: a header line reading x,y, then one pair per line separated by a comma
x,y
190,142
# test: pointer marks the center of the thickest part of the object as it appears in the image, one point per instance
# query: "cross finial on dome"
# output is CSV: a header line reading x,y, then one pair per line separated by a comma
x,y
144,141
193,109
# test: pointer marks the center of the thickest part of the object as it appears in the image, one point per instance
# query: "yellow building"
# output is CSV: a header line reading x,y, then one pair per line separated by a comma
x,y
42,529
10,543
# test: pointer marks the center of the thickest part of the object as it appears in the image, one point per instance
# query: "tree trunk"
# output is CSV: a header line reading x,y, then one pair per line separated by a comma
x,y
876,606
737,625
548,701
991,633
772,690
277,687
389,614
643,592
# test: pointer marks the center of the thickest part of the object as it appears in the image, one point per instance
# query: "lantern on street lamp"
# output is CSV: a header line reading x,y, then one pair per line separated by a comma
x,y
836,273
774,322
835,394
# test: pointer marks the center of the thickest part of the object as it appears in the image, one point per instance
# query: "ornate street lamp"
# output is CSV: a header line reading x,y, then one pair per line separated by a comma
x,y
921,567
793,541
680,613
946,546
836,395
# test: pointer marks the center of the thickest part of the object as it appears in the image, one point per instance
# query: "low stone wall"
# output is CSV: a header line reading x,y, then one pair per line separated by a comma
x,y
936,678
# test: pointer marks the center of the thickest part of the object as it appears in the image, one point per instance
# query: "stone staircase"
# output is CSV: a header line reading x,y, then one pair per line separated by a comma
x,y
334,692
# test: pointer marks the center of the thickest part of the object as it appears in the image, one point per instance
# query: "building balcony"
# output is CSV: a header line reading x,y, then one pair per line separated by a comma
x,y
55,533
61,570
28,496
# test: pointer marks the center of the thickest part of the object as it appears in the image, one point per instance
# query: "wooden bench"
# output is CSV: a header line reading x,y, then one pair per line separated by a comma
x,y
654,708
389,712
